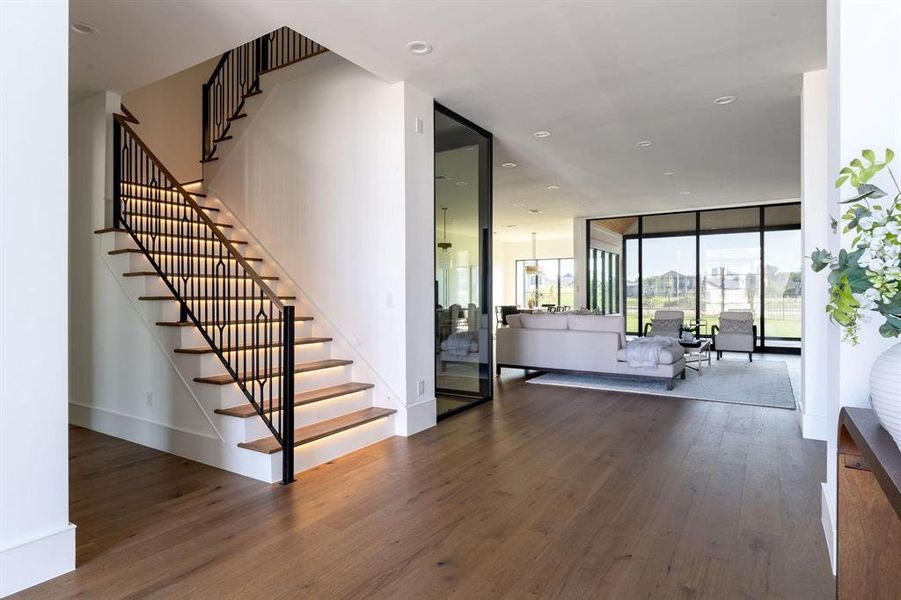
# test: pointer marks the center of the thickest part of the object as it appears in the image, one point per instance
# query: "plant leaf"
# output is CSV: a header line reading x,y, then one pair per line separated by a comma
x,y
869,155
889,155
865,190
820,259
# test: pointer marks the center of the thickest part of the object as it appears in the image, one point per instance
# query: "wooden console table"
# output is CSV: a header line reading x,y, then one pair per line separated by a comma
x,y
869,508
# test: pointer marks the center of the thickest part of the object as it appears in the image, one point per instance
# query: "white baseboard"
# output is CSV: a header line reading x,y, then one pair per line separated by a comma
x,y
200,447
827,516
37,560
417,417
816,427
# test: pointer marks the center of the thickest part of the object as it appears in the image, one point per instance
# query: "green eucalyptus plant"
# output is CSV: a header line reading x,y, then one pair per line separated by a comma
x,y
868,276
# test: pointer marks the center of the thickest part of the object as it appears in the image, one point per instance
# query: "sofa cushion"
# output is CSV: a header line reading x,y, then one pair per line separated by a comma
x,y
667,355
514,321
609,323
543,321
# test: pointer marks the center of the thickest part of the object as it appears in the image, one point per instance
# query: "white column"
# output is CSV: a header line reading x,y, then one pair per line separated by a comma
x,y
815,229
580,261
864,60
37,541
419,244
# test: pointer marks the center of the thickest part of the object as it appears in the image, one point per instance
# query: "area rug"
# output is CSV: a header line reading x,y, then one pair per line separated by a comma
x,y
761,383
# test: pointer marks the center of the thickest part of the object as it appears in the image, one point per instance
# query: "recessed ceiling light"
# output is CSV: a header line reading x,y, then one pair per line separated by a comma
x,y
644,143
462,183
534,211
509,226
83,28
541,134
553,187
518,204
419,47
669,173
508,165
723,100
684,193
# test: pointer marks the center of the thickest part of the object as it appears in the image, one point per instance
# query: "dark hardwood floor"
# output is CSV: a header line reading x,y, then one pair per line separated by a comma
x,y
546,493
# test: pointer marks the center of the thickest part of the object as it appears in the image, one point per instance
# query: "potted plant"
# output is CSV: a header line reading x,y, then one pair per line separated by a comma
x,y
867,277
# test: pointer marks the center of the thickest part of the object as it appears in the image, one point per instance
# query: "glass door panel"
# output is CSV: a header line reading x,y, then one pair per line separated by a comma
x,y
463,374
730,275
668,280
782,286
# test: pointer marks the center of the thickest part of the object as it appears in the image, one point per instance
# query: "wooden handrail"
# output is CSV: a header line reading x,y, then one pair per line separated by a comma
x,y
270,294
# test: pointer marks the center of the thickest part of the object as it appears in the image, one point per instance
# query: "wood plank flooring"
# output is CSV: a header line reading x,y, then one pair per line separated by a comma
x,y
546,493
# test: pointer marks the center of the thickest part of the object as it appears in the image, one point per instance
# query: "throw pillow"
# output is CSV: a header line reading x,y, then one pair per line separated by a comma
x,y
736,326
668,326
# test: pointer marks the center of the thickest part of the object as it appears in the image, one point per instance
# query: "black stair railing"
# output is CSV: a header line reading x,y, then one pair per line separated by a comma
x,y
237,76
239,315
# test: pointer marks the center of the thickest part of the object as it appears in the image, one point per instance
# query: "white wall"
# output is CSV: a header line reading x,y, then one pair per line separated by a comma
x,y
170,112
864,89
37,541
815,229
505,256
116,358
332,179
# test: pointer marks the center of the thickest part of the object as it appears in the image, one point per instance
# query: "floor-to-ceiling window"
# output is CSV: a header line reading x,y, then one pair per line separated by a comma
x,y
552,284
604,285
463,374
710,261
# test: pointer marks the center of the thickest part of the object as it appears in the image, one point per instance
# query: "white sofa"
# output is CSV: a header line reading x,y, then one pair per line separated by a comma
x,y
574,342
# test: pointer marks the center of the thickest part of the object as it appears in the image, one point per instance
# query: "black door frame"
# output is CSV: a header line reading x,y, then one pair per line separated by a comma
x,y
486,188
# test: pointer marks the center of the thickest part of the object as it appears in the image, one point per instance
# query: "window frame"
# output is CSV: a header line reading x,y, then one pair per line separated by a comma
x,y
761,229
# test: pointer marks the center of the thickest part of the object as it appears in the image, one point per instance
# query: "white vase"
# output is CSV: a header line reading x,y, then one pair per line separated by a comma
x,y
885,391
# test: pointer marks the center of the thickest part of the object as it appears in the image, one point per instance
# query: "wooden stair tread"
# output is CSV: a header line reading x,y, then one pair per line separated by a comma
x,y
243,322
318,395
139,251
222,139
193,275
209,350
236,117
224,298
157,201
209,160
322,429
306,367
176,219
167,235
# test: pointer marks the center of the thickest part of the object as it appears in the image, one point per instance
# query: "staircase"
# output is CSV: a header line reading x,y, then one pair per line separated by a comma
x,y
263,371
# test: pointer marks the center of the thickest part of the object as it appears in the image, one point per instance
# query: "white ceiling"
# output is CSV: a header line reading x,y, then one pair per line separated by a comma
x,y
600,76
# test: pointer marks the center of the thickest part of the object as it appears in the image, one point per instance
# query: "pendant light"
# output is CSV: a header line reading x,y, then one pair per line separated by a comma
x,y
444,257
533,269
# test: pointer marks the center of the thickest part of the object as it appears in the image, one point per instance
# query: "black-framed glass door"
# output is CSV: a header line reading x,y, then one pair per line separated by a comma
x,y
463,341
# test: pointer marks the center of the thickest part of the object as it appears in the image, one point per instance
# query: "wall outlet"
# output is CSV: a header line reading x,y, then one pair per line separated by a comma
x,y
149,399
420,387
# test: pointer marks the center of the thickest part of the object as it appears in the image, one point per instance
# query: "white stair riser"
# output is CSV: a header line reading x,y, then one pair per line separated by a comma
x,y
206,286
321,451
170,223
139,262
169,309
210,364
224,396
191,337
253,428
147,202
